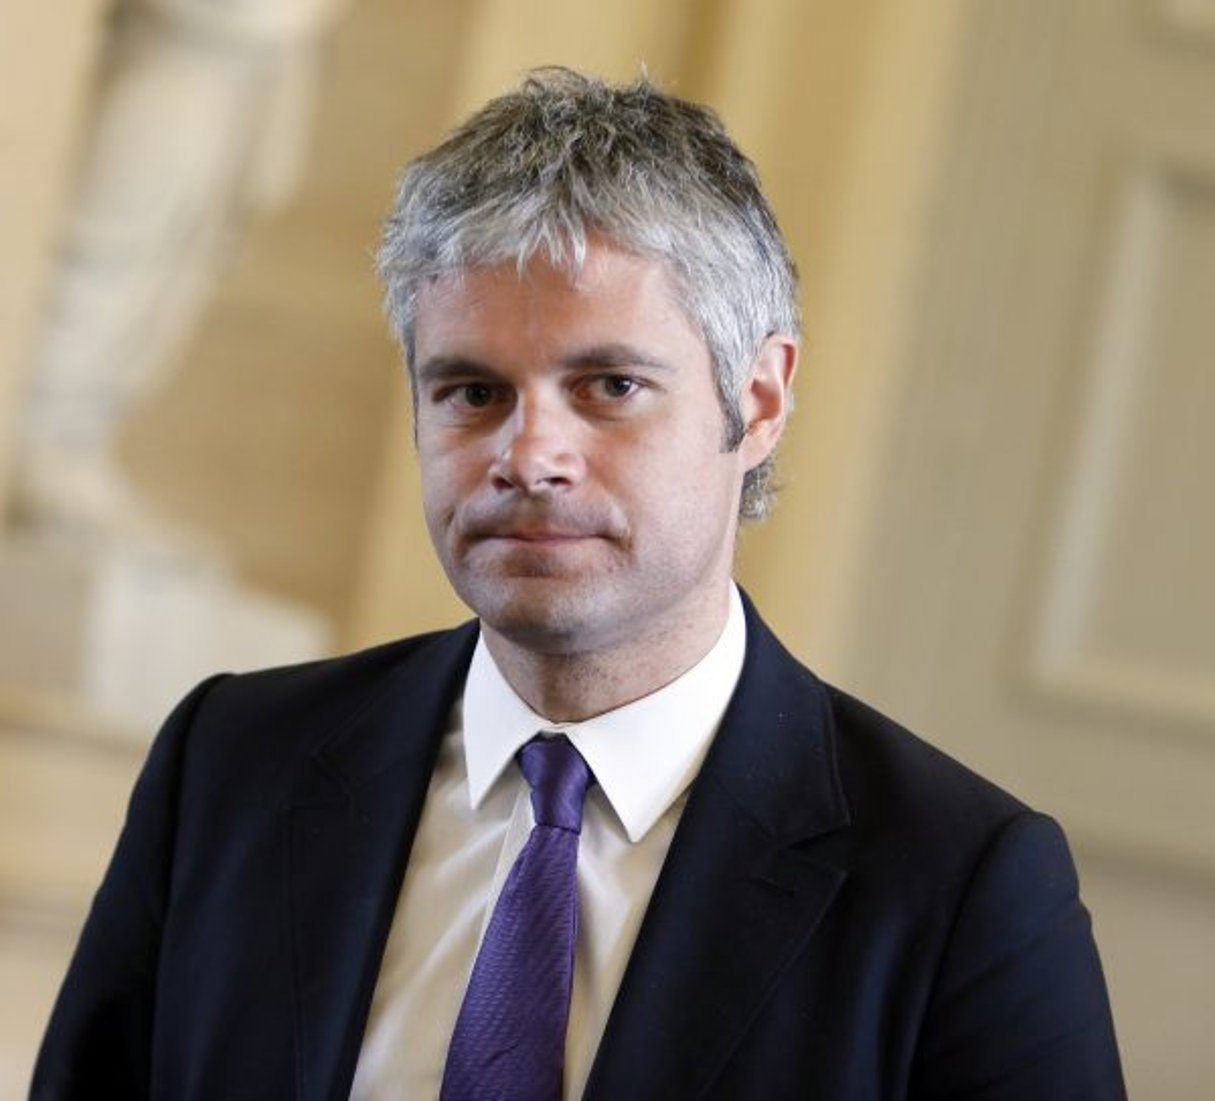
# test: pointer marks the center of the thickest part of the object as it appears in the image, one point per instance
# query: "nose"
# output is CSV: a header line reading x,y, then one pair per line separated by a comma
x,y
539,451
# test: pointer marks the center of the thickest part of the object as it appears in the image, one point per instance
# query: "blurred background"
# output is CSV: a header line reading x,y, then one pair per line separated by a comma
x,y
998,516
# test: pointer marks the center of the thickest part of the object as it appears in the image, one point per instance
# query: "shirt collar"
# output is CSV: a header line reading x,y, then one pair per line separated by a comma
x,y
644,754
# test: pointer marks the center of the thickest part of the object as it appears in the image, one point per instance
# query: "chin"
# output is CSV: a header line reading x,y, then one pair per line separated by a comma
x,y
538,614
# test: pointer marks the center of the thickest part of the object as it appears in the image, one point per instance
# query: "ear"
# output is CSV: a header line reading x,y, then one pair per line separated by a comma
x,y
767,397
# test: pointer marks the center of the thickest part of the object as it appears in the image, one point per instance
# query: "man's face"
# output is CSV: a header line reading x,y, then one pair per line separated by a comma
x,y
570,439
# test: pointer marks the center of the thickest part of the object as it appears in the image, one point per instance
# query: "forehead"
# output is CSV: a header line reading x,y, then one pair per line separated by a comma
x,y
612,294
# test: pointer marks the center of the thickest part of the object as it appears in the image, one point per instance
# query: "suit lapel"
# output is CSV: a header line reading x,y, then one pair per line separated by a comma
x,y
350,835
737,900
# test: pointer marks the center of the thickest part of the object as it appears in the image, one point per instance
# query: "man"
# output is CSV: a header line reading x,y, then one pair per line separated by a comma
x,y
782,893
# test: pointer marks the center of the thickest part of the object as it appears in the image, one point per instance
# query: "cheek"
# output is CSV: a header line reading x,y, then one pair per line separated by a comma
x,y
441,487
686,482
434,509
447,469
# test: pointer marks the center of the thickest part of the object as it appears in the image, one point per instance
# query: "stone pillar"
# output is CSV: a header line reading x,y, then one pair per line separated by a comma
x,y
39,118
199,121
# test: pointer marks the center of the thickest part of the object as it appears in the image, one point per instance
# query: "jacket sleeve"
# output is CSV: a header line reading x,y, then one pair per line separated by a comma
x,y
98,1041
1020,1007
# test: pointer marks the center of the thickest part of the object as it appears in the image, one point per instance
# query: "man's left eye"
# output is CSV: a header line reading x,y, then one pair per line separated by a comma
x,y
613,386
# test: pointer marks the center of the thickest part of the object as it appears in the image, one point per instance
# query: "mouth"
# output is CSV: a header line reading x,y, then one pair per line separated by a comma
x,y
535,536
535,530
545,554
533,541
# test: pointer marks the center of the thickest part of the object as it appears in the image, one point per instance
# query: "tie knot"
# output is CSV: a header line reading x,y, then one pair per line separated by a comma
x,y
559,778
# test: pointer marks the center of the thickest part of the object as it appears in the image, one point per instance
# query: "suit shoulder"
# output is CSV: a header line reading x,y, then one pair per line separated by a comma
x,y
247,729
334,684
878,752
890,784
904,793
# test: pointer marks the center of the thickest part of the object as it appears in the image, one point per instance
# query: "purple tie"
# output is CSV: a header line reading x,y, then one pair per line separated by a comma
x,y
509,1040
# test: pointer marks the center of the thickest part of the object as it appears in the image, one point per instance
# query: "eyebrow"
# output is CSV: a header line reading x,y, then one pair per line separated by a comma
x,y
615,355
440,368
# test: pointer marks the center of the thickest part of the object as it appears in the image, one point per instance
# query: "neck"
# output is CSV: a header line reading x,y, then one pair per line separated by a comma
x,y
570,686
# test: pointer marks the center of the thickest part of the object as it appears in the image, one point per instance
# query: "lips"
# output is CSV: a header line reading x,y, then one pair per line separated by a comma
x,y
538,527
532,552
532,536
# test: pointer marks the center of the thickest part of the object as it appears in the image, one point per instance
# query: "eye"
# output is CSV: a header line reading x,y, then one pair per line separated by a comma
x,y
473,395
466,397
611,387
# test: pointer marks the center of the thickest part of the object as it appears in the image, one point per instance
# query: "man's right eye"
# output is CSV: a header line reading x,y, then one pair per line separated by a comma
x,y
476,394
470,395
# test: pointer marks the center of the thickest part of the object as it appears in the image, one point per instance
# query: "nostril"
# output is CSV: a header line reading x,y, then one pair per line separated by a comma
x,y
534,462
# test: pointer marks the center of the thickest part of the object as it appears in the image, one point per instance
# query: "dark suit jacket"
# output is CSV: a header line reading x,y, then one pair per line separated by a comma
x,y
844,913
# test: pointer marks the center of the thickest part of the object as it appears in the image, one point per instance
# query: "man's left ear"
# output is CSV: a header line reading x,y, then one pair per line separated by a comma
x,y
767,397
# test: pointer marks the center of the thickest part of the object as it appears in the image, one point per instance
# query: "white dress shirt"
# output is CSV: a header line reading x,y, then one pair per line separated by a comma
x,y
475,821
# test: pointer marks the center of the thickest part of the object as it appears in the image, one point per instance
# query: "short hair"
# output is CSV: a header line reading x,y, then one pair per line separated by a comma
x,y
540,169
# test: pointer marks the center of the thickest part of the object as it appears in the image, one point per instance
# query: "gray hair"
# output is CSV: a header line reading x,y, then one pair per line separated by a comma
x,y
538,170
